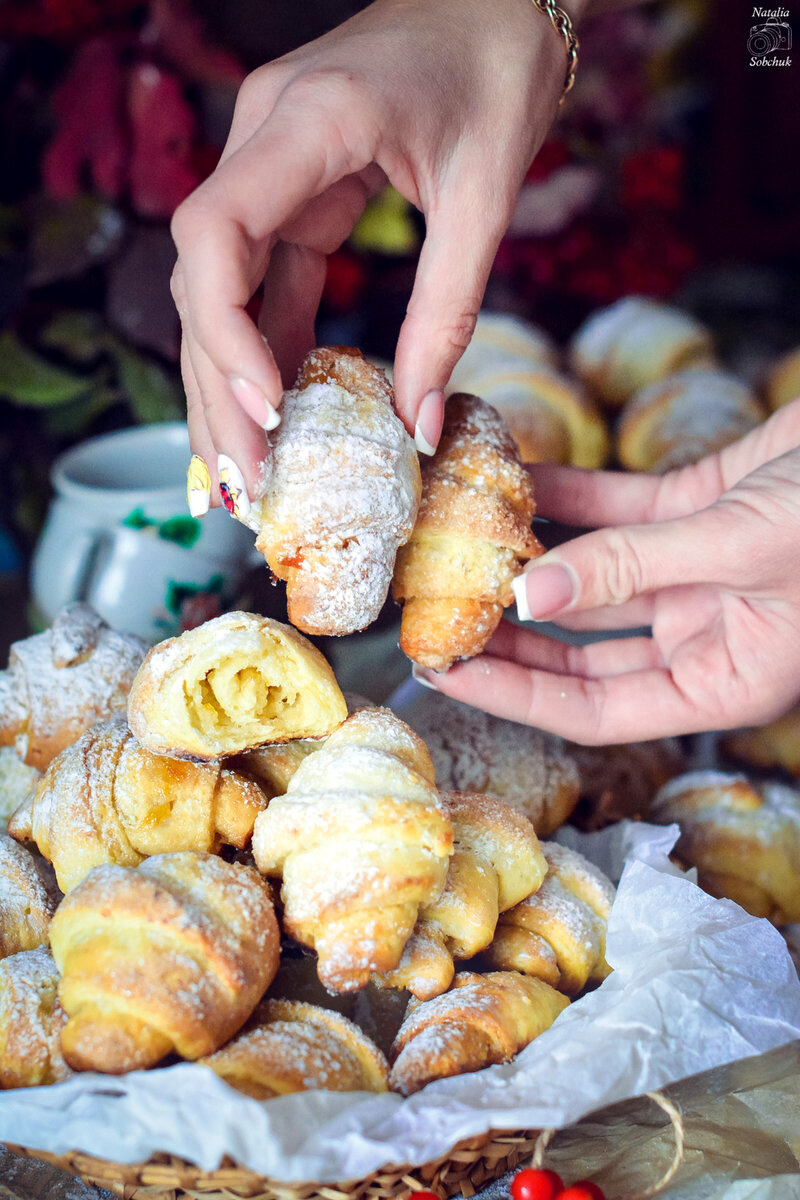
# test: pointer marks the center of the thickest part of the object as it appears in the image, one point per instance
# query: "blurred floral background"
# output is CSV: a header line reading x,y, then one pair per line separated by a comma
x,y
666,175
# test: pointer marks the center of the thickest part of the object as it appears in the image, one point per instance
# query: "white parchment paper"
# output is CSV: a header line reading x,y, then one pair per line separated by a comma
x,y
696,983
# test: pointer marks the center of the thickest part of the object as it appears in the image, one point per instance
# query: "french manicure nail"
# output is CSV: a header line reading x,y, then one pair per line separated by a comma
x,y
543,592
255,403
198,486
430,417
232,490
423,676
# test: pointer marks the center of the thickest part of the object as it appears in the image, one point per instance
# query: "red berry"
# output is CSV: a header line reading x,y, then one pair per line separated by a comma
x,y
584,1189
425,1196
531,1184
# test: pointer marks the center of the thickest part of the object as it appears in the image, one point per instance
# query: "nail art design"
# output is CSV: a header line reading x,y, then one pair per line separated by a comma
x,y
198,486
232,491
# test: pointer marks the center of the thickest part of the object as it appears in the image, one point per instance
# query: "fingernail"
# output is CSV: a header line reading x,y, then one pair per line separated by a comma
x,y
198,486
255,403
423,676
232,491
430,417
543,592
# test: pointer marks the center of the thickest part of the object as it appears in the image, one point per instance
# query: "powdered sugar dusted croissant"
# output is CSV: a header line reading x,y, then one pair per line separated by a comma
x,y
496,862
774,745
342,491
31,1020
471,539
234,683
108,800
171,956
294,1047
558,933
60,682
632,343
17,781
483,1019
25,907
744,839
361,844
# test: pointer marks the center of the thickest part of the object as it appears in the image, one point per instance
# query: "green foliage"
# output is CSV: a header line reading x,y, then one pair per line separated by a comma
x,y
149,390
33,382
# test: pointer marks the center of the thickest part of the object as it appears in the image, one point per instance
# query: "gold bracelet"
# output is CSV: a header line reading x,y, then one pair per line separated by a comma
x,y
563,25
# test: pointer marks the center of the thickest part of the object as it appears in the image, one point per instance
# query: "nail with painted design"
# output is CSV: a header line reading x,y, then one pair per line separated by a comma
x,y
232,490
198,486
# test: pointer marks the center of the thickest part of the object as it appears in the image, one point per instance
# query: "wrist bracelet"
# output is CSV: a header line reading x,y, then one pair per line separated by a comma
x,y
563,25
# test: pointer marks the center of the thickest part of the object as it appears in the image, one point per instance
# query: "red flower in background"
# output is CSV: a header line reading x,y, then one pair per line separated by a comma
x,y
654,178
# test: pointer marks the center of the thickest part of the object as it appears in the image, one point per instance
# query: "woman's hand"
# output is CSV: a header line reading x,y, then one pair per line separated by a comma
x,y
708,557
447,100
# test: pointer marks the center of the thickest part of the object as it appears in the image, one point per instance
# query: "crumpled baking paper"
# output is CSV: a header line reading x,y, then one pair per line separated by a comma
x,y
697,982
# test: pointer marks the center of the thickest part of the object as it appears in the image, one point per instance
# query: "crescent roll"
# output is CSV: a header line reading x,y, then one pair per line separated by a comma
x,y
108,800
60,682
342,489
361,844
232,684
171,956
291,1046
483,1019
472,538
25,907
31,1020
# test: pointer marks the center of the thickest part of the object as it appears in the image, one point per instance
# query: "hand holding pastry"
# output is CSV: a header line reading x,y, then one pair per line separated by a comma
x,y
341,492
472,537
705,556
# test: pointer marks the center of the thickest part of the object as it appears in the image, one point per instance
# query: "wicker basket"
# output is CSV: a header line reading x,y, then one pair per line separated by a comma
x,y
468,1167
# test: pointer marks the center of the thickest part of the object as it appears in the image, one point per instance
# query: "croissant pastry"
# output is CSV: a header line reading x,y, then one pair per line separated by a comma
x,y
361,844
502,342
619,782
634,342
683,418
60,682
273,766
483,1019
17,780
558,933
31,1020
744,841
473,751
497,861
774,745
342,492
471,538
782,384
108,800
25,907
171,956
295,1047
232,684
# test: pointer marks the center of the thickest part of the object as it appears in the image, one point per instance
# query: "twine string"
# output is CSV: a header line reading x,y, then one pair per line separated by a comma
x,y
678,1131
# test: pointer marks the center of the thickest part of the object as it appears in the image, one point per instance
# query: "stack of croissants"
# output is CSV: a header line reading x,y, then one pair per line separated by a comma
x,y
241,860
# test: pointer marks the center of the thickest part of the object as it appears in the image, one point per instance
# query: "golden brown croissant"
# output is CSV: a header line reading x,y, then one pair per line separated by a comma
x,y
273,766
483,1019
60,682
684,417
25,907
31,1020
774,745
744,840
558,933
472,538
473,751
232,684
294,1047
619,782
108,800
634,342
361,844
342,492
17,780
496,862
171,956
